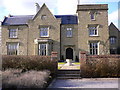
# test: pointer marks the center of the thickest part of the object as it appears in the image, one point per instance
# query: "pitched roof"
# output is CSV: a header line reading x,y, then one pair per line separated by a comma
x,y
23,19
68,19
17,20
113,25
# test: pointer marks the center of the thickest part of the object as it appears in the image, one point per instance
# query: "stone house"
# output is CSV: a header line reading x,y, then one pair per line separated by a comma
x,y
42,33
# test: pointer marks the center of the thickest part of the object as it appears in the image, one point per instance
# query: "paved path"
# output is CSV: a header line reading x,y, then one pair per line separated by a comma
x,y
85,83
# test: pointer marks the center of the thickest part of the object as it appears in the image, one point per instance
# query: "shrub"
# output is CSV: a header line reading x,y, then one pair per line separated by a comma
x,y
30,79
101,67
29,63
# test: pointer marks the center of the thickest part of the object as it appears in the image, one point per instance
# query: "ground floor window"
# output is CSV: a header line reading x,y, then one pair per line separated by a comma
x,y
42,49
113,51
12,48
93,48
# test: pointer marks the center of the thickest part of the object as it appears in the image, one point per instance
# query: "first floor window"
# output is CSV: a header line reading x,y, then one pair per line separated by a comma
x,y
42,49
69,32
93,30
12,49
44,31
112,40
13,33
93,48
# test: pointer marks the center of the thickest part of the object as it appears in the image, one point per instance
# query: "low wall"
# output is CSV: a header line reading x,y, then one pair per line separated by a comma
x,y
99,65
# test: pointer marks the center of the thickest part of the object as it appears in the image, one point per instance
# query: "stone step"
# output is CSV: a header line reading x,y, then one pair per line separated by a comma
x,y
68,71
68,75
69,78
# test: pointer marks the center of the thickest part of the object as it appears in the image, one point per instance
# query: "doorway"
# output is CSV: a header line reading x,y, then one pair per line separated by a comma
x,y
69,53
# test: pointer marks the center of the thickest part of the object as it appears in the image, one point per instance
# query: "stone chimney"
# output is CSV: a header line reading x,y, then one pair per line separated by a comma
x,y
37,7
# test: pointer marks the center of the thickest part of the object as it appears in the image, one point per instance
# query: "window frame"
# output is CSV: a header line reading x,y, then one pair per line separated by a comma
x,y
94,50
94,31
113,40
69,30
13,33
14,46
44,49
43,31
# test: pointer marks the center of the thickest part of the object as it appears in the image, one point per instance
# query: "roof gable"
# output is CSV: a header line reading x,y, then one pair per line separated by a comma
x,y
113,26
44,7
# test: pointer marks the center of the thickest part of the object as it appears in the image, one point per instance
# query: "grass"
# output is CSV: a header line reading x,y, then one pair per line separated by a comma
x,y
60,64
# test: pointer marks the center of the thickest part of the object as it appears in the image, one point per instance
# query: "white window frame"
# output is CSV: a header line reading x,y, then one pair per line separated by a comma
x,y
93,30
69,32
43,49
12,48
113,40
93,50
13,33
44,31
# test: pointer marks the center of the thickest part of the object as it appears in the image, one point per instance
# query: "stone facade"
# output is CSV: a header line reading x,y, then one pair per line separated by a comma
x,y
100,20
67,34
114,34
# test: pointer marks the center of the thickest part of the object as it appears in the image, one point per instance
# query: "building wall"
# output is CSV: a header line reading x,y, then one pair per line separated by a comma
x,y
34,31
114,32
101,18
69,42
29,35
22,39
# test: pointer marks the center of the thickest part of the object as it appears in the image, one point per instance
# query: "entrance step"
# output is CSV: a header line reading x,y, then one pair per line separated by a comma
x,y
68,74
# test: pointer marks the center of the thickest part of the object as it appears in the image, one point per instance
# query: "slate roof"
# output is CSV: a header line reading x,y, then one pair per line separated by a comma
x,y
23,19
68,19
17,20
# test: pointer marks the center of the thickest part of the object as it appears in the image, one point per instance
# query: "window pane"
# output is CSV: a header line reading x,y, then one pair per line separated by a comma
x,y
12,48
44,32
92,16
42,49
112,40
93,48
93,30
69,32
13,33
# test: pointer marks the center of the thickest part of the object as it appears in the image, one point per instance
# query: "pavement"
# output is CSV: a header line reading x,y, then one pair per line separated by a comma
x,y
88,83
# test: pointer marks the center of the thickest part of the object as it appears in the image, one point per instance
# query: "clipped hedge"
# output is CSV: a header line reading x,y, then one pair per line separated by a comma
x,y
32,62
101,67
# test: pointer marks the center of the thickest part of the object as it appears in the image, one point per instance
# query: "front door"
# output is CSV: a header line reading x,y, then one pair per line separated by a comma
x,y
69,53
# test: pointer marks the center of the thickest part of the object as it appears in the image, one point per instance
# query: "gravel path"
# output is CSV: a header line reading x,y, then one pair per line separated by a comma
x,y
85,83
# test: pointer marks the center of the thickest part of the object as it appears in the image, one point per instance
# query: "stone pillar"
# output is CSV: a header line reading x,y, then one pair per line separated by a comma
x,y
54,58
82,59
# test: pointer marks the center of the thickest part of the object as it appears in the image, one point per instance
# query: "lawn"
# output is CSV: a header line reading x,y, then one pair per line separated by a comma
x,y
61,64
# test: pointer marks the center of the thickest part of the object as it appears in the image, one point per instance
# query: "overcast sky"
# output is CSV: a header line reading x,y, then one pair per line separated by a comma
x,y
61,7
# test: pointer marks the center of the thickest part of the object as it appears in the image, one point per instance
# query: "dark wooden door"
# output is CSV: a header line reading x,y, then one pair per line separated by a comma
x,y
69,53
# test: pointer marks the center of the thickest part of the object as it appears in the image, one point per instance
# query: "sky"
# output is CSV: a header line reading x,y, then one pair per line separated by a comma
x,y
57,7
